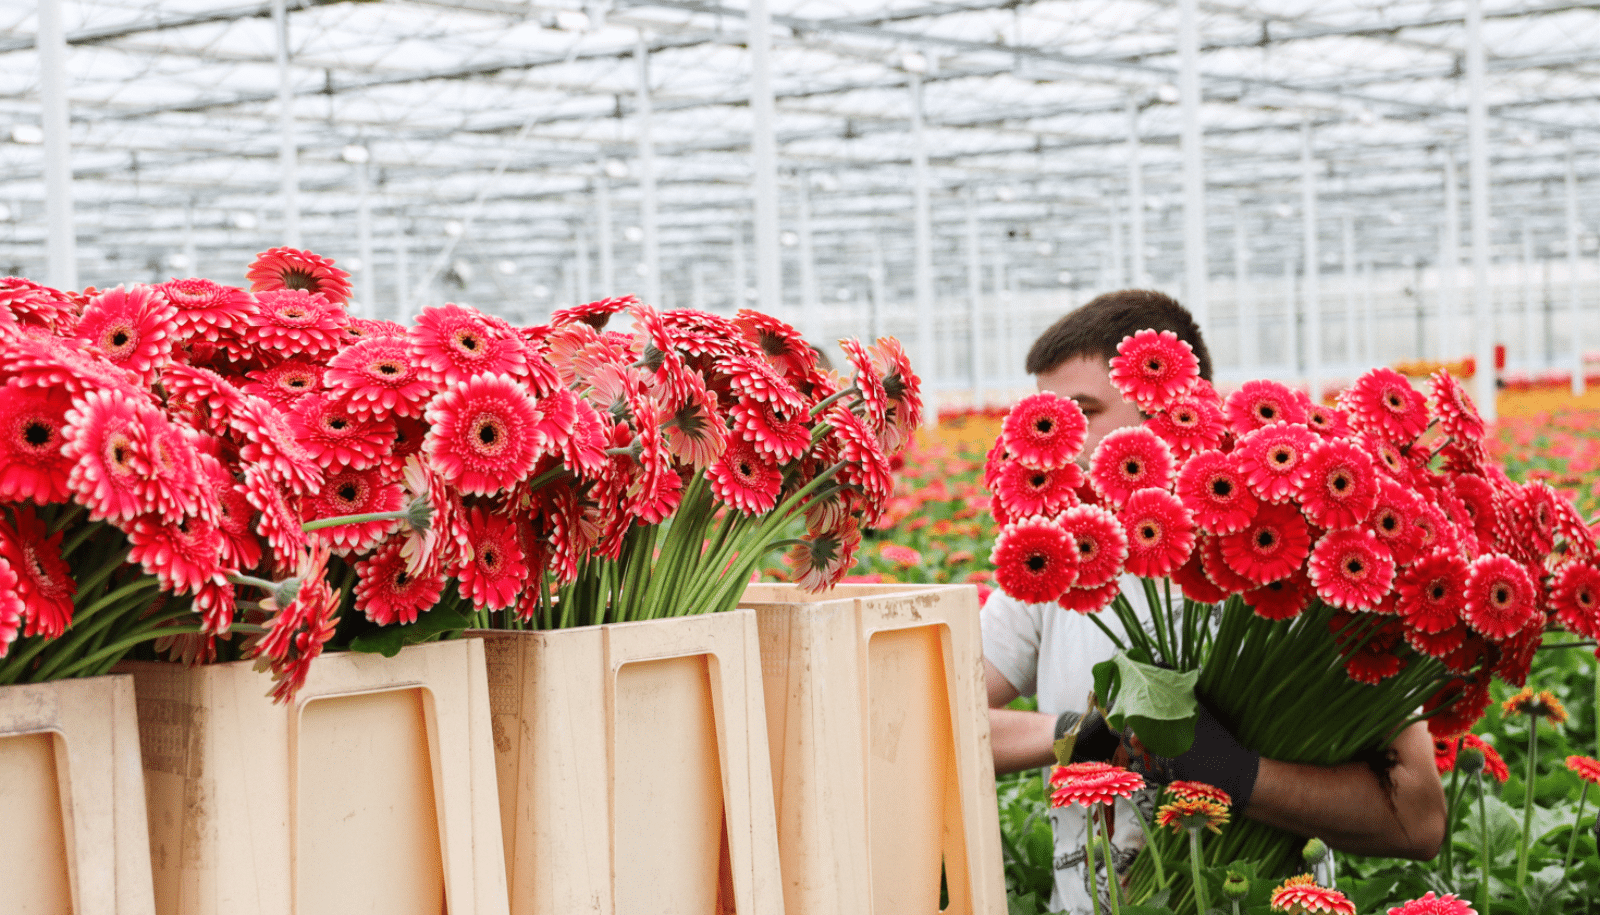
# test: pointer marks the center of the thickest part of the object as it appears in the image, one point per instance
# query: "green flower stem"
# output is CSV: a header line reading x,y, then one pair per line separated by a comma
x,y
1527,800
254,582
1112,889
1088,861
825,403
342,520
1483,836
116,649
1150,843
1447,853
1577,827
1202,904
129,597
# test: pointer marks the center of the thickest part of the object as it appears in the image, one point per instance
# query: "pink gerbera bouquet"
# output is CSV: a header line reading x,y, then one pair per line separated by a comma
x,y
1328,571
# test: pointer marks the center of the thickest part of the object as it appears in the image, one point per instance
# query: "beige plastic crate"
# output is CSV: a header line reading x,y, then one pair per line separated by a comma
x,y
879,735
373,792
633,770
72,800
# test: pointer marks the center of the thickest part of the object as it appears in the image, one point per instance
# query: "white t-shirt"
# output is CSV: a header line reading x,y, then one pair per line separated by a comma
x,y
1048,652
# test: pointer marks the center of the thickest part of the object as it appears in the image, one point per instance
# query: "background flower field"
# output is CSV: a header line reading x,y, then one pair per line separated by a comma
x,y
939,529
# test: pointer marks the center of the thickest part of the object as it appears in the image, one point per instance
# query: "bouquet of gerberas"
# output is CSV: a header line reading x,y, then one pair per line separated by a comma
x,y
1344,570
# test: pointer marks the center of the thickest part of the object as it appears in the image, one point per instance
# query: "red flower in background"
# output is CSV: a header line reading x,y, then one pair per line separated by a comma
x,y
1129,459
1302,896
1151,368
1493,763
1429,904
32,463
291,269
1044,430
1575,597
1586,768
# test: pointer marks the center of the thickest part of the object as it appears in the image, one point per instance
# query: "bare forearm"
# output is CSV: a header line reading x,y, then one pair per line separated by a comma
x,y
1021,740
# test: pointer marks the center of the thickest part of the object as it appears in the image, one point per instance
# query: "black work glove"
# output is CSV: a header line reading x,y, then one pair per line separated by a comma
x,y
1216,758
1095,743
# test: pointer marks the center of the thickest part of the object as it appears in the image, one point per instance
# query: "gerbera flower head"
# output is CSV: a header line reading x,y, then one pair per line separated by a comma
x,y
874,400
484,434
1089,600
780,343
283,384
182,555
1191,577
1128,459
203,306
376,376
1024,490
1340,485
746,377
1575,597
270,443
337,437
1044,430
1383,402
1351,569
1035,560
772,428
1432,592
304,615
387,591
451,343
1089,783
1151,368
1586,768
1160,531
1213,486
1185,813
348,491
105,439
1302,896
1101,545
1326,421
1501,597
1193,790
290,269
33,465
132,329
1191,423
746,479
903,387
1270,547
1261,403
32,304
1429,904
1535,705
1274,458
823,556
866,468
1394,520
491,571
1283,599
44,581
594,314
1493,762
1458,417
290,323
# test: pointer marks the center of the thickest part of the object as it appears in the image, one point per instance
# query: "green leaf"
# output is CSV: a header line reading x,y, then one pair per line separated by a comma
x,y
390,639
1157,703
1546,892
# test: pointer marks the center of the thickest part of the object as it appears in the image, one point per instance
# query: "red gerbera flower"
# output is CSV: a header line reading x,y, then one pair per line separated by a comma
x,y
1217,569
270,443
354,492
1301,896
1458,417
132,329
1441,645
594,314
1501,598
1152,367
904,390
451,343
204,392
772,428
183,555
34,305
1273,459
492,571
1432,592
1026,491
1091,783
1283,599
696,436
104,438
874,401
822,557
1089,600
745,479
1191,577
1270,547
285,383
235,520
742,376
203,305
779,343
1340,486
338,437
1351,569
387,591
1261,403
1044,430
1035,560
1198,791
1383,402
1102,547
291,323
484,435
1326,421
44,581
1429,904
1212,486
287,268
277,523
866,468
1191,423
1128,459
1160,533
1493,763
32,464
1586,768
1394,520
301,626
1575,596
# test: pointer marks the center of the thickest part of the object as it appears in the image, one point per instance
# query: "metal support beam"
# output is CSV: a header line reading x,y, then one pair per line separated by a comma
x,y
1575,312
975,299
603,234
1478,181
1450,264
288,149
810,303
647,181
369,268
61,245
1313,265
764,160
1291,318
741,276
1244,295
1347,269
402,266
1532,316
922,268
875,273
580,252
1113,277
1136,271
1195,270
1369,323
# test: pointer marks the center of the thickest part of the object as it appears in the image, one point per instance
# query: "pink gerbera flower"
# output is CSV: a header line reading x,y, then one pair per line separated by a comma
x,y
1393,520
1438,644
823,556
171,481
866,468
1089,600
1035,560
779,343
1190,424
745,479
773,428
204,305
1274,458
904,390
32,463
696,435
1501,598
1262,403
1383,402
104,438
1160,533
270,443
1432,592
1351,569
1191,577
299,628
13,612
1271,547
1152,367
284,384
746,377
1481,502
1090,783
1213,487
337,437
203,392
1101,544
1340,485
34,305
1217,570
1044,430
492,572
451,343
388,592
44,581
874,401
354,492
484,435
277,522
1128,459
287,268
132,329
1429,904
1575,597
1026,491
183,555
290,323
1326,421
1283,599
1458,417
594,314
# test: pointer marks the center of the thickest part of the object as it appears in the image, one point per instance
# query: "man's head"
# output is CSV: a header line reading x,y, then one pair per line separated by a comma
x,y
1072,358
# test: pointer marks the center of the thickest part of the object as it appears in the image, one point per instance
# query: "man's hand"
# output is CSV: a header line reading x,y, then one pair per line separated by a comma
x,y
1020,740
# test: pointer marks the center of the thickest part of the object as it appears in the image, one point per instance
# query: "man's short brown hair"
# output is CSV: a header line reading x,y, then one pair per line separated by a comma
x,y
1097,327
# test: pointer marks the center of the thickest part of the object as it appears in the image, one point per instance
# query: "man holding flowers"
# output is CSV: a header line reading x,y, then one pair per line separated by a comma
x,y
1034,645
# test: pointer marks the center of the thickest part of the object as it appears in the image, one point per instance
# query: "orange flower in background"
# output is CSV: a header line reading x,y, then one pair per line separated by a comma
x,y
1587,768
1302,896
1193,813
1542,704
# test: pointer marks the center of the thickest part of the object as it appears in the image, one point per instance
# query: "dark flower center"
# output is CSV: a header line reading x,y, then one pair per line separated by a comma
x,y
402,578
1221,488
1036,563
1282,455
1038,480
1153,365
297,381
1502,595
293,313
1437,591
1043,425
299,279
1132,468
488,433
1267,412
348,492
337,424
1354,567
120,338
1266,540
388,368
1389,522
37,434
491,559
468,342
1340,482
1148,531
